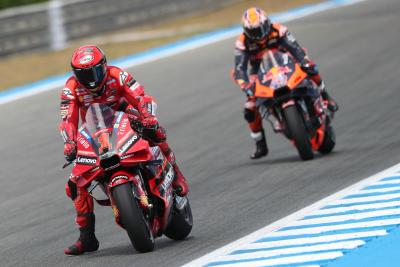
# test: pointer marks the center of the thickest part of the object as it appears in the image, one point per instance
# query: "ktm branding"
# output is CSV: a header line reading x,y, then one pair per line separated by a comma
x,y
128,144
87,161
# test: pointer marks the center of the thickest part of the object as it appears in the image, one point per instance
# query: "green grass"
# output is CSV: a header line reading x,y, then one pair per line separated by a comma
x,y
11,3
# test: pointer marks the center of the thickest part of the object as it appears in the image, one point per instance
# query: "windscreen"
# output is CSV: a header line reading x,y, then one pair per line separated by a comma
x,y
276,69
101,125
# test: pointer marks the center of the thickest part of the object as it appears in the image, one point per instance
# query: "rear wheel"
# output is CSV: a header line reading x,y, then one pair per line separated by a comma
x,y
132,218
182,220
296,127
329,140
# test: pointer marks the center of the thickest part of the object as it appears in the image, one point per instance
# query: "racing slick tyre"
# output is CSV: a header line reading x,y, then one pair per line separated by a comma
x,y
298,132
329,140
132,218
181,222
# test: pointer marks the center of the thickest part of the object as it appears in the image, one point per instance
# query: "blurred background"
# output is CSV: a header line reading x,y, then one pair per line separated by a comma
x,y
37,36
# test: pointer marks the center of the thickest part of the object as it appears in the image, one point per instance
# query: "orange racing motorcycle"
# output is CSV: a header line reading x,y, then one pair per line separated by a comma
x,y
289,100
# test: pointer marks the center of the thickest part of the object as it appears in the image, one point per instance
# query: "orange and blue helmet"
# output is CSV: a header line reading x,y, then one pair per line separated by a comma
x,y
255,23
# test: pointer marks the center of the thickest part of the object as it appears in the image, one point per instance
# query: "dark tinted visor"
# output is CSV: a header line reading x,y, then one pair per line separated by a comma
x,y
256,33
91,77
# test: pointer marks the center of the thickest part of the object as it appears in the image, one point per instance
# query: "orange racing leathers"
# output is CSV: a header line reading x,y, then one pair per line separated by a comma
x,y
119,91
250,52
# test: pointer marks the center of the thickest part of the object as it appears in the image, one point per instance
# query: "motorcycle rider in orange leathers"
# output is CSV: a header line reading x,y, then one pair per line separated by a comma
x,y
93,81
259,35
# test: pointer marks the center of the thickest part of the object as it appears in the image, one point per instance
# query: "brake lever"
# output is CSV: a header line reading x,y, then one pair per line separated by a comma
x,y
67,164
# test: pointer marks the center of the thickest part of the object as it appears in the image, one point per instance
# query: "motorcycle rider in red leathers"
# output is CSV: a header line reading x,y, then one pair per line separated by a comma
x,y
96,82
259,35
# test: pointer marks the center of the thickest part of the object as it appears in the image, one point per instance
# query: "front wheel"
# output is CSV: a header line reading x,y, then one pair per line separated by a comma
x,y
132,218
181,222
296,127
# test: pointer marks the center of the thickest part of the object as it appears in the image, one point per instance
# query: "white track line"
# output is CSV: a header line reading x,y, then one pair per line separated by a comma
x,y
322,229
288,260
355,208
296,250
396,181
364,199
347,217
312,240
379,190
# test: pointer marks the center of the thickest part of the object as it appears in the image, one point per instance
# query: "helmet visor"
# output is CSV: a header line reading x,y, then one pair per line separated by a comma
x,y
256,33
91,77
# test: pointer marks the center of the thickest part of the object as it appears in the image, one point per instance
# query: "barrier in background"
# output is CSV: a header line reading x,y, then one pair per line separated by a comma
x,y
50,25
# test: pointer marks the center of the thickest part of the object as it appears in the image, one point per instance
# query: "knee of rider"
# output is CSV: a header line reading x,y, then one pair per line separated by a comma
x,y
161,133
317,79
71,190
249,115
253,78
164,146
167,152
82,220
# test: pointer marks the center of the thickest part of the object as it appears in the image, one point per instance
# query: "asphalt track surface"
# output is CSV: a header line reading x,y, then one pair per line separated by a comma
x,y
231,196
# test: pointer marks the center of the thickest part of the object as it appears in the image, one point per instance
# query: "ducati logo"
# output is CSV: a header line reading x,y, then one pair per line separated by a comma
x,y
86,59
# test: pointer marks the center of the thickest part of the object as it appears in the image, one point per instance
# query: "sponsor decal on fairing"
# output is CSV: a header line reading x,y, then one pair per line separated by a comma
x,y
124,177
122,127
86,160
85,134
127,156
129,144
168,178
83,142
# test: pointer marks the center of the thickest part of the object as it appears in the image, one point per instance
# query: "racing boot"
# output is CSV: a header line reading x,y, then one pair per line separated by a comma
x,y
87,241
332,104
261,145
179,184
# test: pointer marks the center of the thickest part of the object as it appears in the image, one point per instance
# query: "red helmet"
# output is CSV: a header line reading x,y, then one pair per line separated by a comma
x,y
89,65
255,23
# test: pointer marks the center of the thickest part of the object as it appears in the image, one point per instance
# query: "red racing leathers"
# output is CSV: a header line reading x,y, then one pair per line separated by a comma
x,y
120,91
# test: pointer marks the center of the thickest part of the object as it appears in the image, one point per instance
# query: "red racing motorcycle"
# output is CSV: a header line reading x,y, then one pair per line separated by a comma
x,y
289,99
134,178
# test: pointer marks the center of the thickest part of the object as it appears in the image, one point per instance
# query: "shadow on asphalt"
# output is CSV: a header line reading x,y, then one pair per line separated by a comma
x,y
283,160
127,249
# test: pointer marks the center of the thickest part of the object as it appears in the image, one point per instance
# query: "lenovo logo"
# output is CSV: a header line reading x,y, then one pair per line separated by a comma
x,y
86,161
128,144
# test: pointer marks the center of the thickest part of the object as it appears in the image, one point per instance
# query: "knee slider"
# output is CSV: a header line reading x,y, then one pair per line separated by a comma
x,y
71,190
249,115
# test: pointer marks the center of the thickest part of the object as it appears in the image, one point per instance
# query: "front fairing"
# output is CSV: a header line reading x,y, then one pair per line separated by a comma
x,y
106,141
279,75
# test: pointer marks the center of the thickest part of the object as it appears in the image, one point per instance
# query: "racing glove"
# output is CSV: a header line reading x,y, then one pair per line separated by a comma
x,y
247,88
152,131
70,151
309,68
